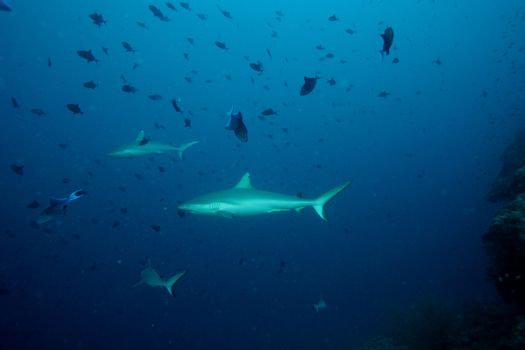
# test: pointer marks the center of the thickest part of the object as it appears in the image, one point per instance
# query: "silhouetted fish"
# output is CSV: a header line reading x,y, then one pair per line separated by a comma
x,y
388,39
155,97
4,6
333,18
17,168
90,84
268,111
127,46
176,106
225,13
14,103
97,19
171,6
75,108
142,25
155,228
87,55
395,60
185,5
258,67
383,94
187,123
331,81
236,124
221,45
38,111
158,13
105,50
308,86
49,63
202,16
129,89
350,31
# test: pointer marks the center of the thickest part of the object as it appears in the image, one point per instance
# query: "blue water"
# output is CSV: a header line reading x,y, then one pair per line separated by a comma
x,y
420,160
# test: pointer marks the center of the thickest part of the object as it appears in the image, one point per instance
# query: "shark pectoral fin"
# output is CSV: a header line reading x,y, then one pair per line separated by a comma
x,y
184,147
225,214
172,280
319,203
140,137
299,209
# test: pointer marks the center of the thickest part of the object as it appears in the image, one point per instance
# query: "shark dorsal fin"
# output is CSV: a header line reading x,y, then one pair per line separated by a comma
x,y
140,137
244,182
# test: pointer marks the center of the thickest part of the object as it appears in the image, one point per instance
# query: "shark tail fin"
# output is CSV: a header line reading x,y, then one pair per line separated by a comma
x,y
322,200
184,147
172,280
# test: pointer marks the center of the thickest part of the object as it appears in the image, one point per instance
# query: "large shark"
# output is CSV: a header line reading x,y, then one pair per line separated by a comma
x,y
245,200
150,277
58,206
143,146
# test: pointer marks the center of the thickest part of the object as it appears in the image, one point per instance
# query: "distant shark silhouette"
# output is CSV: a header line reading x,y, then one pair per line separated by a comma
x,y
150,277
321,304
4,6
143,146
244,200
58,206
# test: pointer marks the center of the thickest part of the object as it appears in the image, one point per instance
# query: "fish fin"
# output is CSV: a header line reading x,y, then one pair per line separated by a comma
x,y
172,280
299,209
140,137
244,182
184,147
316,307
322,200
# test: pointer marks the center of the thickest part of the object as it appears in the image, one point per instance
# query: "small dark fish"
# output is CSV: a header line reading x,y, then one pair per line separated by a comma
x,y
308,86
331,81
258,67
221,45
176,106
437,61
33,205
329,55
90,84
14,103
129,89
155,227
388,39
124,210
75,108
161,169
66,180
185,5
190,40
158,13
236,124
135,66
268,111
241,261
333,18
171,6
187,123
17,168
87,55
105,50
383,94
319,47
269,52
142,25
38,111
186,56
62,145
395,60
115,224
202,16
279,13
225,13
181,213
97,19
49,63
350,31
188,80
155,97
139,176
127,46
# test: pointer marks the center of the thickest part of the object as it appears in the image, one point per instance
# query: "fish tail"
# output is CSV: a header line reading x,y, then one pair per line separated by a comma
x,y
172,280
184,147
320,203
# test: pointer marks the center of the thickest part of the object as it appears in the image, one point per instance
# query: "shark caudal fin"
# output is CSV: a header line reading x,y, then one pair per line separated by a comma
x,y
184,147
319,203
172,280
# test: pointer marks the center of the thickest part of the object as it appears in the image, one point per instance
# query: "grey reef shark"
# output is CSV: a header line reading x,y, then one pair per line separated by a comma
x,y
151,277
245,200
143,146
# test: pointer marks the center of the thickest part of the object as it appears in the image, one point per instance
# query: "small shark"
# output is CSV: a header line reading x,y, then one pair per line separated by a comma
x,y
143,146
321,304
150,277
245,200
58,206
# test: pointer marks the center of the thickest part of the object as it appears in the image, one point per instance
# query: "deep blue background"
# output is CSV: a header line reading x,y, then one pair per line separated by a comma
x,y
409,227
